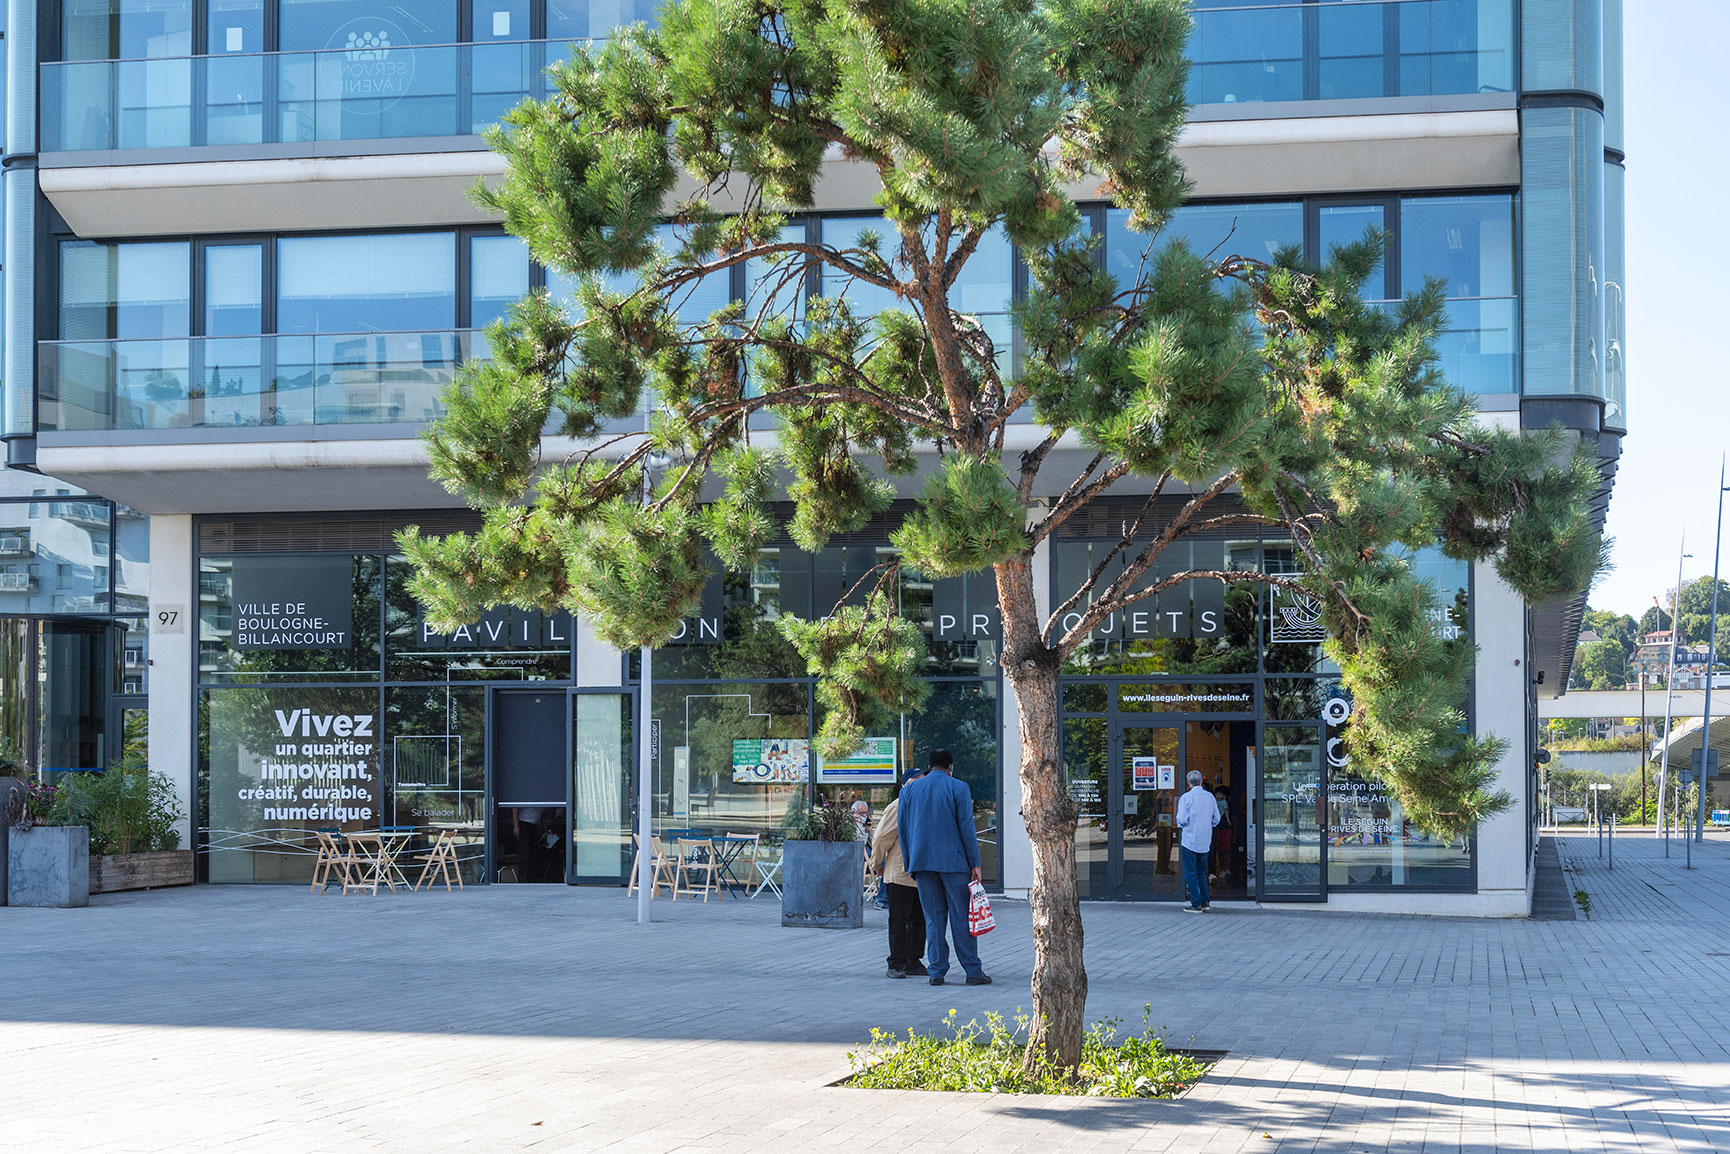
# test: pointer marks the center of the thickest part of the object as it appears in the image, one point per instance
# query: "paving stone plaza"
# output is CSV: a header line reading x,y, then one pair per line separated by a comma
x,y
544,1018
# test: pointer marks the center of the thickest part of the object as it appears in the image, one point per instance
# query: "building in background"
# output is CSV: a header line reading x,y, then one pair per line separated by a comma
x,y
241,267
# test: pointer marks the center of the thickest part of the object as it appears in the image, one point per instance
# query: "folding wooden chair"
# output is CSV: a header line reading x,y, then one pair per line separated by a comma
x,y
697,860
365,863
663,868
441,861
333,862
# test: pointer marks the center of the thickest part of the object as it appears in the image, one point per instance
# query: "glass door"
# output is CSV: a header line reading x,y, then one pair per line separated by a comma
x,y
603,770
1291,849
1146,786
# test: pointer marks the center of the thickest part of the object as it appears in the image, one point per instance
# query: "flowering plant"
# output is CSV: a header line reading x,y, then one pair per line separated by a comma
x,y
33,805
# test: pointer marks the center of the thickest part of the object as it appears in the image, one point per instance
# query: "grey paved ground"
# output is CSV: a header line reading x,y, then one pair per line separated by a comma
x,y
540,1018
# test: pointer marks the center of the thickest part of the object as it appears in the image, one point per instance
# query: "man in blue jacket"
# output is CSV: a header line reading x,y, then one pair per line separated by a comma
x,y
941,849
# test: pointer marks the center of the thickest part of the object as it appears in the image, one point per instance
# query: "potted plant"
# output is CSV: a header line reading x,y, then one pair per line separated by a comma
x,y
47,862
131,814
822,869
11,794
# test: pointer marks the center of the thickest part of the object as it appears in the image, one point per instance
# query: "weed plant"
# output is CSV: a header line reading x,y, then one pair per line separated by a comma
x,y
987,1059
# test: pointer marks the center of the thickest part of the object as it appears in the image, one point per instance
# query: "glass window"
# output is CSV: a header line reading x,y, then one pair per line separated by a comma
x,y
270,778
1351,62
504,645
582,19
55,556
125,29
1467,241
239,643
346,24
845,232
1246,54
499,20
731,757
1343,224
124,290
233,290
498,277
434,766
236,26
1215,231
404,282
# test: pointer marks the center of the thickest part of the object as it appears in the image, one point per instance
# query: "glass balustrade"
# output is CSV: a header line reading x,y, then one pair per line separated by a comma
x,y
1349,50
257,381
290,97
1241,53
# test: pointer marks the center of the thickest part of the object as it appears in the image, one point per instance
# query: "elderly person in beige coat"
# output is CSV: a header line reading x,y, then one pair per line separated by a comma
x,y
906,915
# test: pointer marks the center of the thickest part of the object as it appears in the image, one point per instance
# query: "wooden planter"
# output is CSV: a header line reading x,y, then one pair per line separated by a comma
x,y
112,873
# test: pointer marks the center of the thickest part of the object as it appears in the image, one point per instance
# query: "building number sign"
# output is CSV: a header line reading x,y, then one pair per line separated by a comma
x,y
168,619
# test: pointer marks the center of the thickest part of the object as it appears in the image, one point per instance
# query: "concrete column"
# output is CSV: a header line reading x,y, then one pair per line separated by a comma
x,y
173,656
1499,709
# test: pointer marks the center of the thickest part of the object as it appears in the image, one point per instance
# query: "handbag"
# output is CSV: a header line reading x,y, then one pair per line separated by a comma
x,y
979,919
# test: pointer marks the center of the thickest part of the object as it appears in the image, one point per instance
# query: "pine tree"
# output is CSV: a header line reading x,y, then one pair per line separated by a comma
x,y
1227,392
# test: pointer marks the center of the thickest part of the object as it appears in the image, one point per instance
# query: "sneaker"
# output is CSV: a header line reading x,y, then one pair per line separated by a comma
x,y
936,981
979,979
1194,909
879,903
895,973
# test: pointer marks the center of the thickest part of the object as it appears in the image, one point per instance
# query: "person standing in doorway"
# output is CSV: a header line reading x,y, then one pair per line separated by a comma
x,y
906,916
941,849
1197,815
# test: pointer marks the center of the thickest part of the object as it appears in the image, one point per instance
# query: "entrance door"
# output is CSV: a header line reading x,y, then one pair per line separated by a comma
x,y
526,733
603,775
1291,849
1146,786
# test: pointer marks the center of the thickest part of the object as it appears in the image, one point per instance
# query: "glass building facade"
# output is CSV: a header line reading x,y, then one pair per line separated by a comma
x,y
307,692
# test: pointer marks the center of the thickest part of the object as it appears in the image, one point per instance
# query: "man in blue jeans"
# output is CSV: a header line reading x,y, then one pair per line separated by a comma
x,y
941,849
1197,814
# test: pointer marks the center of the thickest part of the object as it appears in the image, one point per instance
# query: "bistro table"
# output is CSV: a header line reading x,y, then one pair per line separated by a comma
x,y
728,849
375,853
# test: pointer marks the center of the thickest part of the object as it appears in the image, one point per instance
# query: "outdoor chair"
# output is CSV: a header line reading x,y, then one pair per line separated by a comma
x,y
697,868
663,868
441,861
333,863
768,870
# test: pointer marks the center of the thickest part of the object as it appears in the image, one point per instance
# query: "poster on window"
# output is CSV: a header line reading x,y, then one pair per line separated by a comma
x,y
772,761
1144,773
874,764
282,764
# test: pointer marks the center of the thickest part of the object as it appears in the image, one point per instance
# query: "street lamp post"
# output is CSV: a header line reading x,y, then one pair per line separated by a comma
x,y
1670,685
1711,663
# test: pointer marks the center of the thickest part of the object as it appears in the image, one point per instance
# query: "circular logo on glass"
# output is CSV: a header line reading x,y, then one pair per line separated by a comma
x,y
376,60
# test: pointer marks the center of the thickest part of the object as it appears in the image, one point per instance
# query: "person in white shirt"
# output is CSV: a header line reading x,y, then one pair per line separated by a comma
x,y
1197,814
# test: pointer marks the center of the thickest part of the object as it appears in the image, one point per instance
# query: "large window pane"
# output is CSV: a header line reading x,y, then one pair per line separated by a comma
x,y
1343,224
1244,54
1468,241
846,232
389,283
234,643
498,277
125,29
435,769
233,290
235,86
322,24
124,290
55,554
1291,809
1215,231
578,19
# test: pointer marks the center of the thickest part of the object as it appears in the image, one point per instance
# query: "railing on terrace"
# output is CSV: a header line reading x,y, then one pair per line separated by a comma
x,y
397,378
249,382
1302,50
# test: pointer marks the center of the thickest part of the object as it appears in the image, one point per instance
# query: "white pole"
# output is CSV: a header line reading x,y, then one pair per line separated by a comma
x,y
1670,677
1711,664
645,790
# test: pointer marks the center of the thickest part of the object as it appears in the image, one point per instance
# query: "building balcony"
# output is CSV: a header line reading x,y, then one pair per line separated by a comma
x,y
251,382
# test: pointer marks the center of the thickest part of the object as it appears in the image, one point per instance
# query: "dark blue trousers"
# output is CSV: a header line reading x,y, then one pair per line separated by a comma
x,y
945,899
1195,876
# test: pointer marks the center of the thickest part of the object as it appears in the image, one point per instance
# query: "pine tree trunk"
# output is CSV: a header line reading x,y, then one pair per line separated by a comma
x,y
1059,978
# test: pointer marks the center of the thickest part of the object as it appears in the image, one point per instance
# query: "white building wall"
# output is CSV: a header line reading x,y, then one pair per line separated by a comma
x,y
173,649
1499,708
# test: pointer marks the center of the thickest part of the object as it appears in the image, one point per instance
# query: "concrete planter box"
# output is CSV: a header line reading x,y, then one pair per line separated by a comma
x,y
823,884
112,873
49,865
10,787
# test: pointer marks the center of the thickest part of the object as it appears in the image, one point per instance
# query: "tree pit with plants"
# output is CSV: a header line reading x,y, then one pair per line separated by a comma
x,y
994,1059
